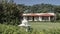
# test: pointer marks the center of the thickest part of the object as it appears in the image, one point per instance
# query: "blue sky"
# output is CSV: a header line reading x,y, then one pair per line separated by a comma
x,y
32,2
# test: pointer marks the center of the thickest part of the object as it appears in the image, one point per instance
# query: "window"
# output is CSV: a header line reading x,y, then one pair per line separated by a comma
x,y
29,18
45,18
36,18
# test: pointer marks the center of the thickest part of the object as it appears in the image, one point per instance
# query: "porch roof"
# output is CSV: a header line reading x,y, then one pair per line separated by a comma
x,y
39,14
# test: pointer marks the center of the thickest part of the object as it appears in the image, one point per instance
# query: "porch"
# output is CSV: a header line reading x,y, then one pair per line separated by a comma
x,y
39,18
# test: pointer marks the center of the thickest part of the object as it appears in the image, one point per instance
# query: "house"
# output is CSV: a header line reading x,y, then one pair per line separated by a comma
x,y
39,16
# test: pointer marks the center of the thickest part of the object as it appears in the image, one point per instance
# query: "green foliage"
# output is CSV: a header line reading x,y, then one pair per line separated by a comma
x,y
5,29
10,14
41,8
57,16
9,29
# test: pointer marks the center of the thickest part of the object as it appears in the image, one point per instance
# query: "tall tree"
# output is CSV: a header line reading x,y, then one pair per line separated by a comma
x,y
9,13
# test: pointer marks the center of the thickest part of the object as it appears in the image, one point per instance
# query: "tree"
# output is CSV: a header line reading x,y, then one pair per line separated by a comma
x,y
9,13
41,8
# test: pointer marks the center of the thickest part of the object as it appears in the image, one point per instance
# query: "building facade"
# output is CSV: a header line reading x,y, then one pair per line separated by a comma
x,y
39,16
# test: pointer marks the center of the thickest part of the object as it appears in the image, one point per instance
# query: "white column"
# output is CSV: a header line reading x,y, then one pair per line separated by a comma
x,y
49,18
40,18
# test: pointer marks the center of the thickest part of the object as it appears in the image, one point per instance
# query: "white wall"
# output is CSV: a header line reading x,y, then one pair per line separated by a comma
x,y
40,18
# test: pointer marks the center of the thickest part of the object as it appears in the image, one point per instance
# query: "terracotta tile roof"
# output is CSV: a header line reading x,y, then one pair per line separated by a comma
x,y
40,14
46,14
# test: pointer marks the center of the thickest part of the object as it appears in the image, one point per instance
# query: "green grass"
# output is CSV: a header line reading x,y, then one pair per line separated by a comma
x,y
10,29
38,28
44,25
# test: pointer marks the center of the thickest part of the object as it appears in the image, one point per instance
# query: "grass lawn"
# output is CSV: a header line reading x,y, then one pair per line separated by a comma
x,y
44,25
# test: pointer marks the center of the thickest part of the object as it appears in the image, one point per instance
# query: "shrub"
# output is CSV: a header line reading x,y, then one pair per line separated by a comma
x,y
9,29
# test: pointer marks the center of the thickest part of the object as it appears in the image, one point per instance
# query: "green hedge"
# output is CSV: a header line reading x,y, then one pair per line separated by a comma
x,y
8,29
